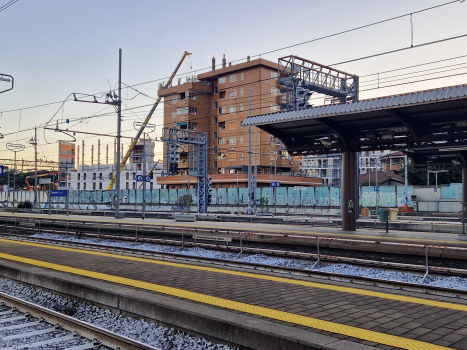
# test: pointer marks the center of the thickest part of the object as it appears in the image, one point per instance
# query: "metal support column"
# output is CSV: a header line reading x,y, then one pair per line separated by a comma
x,y
349,191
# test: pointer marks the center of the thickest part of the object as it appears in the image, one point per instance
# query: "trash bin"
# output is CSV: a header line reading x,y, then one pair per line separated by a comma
x,y
393,214
365,212
383,214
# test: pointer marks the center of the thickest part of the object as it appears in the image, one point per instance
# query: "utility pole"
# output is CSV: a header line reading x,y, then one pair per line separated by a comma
x,y
35,167
144,177
119,126
249,157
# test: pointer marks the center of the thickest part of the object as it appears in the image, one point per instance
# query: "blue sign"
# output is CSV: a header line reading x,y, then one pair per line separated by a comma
x,y
139,178
376,188
275,184
1,170
436,190
58,193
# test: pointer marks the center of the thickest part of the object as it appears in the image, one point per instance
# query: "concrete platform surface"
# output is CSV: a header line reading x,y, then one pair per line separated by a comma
x,y
257,311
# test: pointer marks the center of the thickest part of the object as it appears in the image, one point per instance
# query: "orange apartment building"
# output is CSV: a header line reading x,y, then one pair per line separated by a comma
x,y
217,102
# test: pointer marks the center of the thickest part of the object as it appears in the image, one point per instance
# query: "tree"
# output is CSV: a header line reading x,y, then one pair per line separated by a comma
x,y
418,177
184,203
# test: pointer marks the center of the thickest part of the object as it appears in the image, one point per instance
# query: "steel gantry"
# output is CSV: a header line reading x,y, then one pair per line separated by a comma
x,y
299,78
174,137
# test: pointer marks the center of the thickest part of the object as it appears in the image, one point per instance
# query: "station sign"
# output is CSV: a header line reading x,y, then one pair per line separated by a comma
x,y
376,189
275,184
45,181
300,188
139,178
1,170
58,193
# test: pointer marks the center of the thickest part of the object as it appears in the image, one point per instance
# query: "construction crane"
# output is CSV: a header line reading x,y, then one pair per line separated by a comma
x,y
135,140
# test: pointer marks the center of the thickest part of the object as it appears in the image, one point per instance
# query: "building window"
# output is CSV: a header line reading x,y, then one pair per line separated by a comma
x,y
221,110
127,186
214,164
232,156
93,185
241,76
232,125
127,175
174,100
273,74
134,186
100,185
174,114
215,120
78,185
241,139
241,108
232,109
79,176
192,95
215,105
215,90
183,110
273,91
232,141
134,175
241,91
214,135
84,186
221,141
233,93
150,185
221,125
84,176
241,156
222,80
100,176
192,126
221,156
221,94
273,107
233,77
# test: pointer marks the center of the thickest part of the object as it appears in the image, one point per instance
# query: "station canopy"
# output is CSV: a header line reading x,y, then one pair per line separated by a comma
x,y
429,126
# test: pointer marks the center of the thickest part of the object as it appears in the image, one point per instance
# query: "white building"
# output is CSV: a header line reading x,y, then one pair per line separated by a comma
x,y
98,177
328,167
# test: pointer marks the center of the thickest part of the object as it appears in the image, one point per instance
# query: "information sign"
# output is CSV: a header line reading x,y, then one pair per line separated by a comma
x,y
1,170
58,193
45,181
139,178
300,188
376,188
275,184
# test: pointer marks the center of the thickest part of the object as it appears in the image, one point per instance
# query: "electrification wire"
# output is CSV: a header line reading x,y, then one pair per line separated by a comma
x,y
286,47
7,5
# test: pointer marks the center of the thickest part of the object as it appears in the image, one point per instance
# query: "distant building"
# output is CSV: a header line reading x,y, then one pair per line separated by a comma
x,y
328,167
217,102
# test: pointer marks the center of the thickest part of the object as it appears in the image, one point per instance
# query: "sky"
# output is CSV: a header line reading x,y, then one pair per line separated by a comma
x,y
54,48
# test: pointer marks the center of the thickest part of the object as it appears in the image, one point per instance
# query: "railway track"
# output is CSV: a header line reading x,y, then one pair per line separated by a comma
x,y
87,232
24,325
293,272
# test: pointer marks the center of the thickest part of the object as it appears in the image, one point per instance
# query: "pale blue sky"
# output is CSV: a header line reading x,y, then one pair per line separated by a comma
x,y
55,47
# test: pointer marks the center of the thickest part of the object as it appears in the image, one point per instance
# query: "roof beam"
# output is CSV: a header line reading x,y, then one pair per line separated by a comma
x,y
407,121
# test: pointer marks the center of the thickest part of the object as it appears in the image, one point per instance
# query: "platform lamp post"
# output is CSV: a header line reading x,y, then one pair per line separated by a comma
x,y
14,147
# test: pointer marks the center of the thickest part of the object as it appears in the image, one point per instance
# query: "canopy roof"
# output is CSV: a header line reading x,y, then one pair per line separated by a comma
x,y
430,126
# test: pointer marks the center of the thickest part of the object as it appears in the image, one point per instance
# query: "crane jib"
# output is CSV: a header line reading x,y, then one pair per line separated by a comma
x,y
146,121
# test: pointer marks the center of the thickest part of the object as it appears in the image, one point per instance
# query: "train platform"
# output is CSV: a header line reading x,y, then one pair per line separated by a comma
x,y
286,229
253,309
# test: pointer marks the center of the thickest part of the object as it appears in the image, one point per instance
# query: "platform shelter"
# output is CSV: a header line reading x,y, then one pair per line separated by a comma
x,y
429,126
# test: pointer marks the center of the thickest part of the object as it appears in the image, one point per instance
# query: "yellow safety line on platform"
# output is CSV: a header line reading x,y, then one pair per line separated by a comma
x,y
354,236
360,333
396,297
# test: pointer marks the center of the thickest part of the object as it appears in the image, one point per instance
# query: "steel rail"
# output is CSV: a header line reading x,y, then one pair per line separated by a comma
x,y
264,251
367,281
71,324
